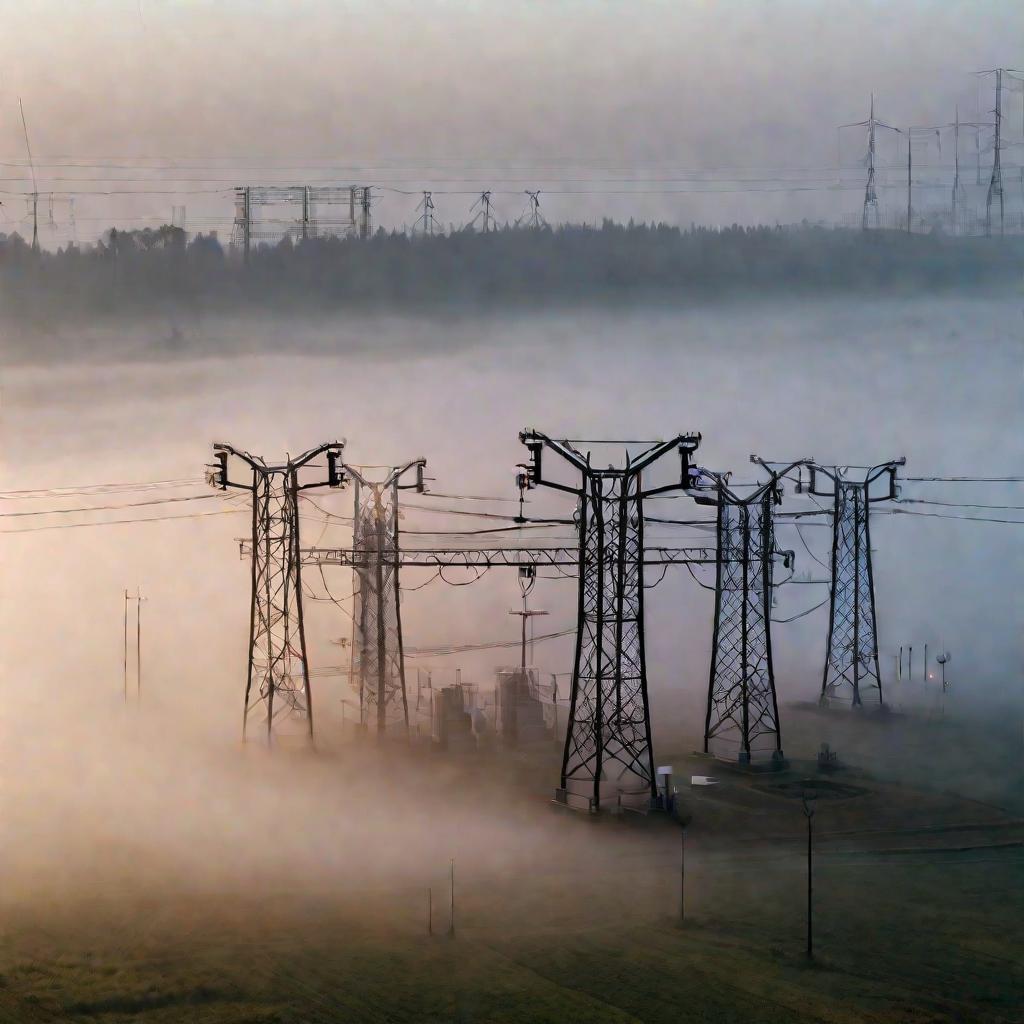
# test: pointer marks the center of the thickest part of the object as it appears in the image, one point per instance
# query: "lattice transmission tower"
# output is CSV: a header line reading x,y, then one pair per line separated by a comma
x,y
851,660
277,682
871,217
531,217
995,184
378,657
608,738
485,213
743,710
426,220
958,199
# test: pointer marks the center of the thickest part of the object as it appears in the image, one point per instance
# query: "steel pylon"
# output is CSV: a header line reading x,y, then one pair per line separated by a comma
x,y
851,671
608,737
277,683
378,658
743,711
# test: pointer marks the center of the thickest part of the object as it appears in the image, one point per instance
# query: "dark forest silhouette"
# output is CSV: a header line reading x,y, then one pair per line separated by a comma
x,y
130,271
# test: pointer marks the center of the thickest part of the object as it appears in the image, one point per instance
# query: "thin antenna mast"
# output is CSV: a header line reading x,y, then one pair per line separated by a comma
x,y
956,165
138,644
126,646
35,189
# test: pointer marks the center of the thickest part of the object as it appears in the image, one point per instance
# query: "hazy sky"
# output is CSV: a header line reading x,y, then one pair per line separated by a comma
x,y
605,85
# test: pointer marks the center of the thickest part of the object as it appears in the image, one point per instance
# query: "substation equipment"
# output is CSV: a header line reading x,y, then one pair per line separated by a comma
x,y
607,752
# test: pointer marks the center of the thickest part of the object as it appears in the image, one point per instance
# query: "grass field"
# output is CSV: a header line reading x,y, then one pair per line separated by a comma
x,y
931,937
917,919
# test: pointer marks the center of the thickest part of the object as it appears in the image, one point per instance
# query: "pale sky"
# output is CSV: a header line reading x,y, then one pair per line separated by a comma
x,y
481,93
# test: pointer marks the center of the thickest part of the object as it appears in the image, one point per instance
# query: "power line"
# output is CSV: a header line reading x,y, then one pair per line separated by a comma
x,y
122,522
800,615
104,508
964,479
944,515
81,489
960,504
431,652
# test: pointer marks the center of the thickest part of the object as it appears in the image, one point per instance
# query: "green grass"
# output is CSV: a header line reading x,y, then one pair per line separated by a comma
x,y
913,939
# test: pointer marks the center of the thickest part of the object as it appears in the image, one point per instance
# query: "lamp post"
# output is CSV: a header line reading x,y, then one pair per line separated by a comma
x,y
810,797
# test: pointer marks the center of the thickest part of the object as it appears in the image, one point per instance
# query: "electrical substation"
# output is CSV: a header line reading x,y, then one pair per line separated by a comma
x,y
608,760
512,513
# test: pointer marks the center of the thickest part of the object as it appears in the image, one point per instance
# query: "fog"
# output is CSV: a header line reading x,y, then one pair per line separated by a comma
x,y
938,381
466,96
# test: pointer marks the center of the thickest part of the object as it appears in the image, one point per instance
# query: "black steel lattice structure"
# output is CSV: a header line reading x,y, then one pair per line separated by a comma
x,y
267,214
743,711
852,670
870,215
277,681
609,727
539,556
995,184
378,660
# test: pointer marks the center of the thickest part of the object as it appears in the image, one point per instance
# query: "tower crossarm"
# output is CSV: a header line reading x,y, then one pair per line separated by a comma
x,y
277,684
608,737
469,558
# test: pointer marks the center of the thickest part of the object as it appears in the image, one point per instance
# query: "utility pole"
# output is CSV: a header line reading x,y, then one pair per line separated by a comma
x,y
609,729
378,657
138,645
527,580
126,646
305,212
277,681
35,187
851,661
870,217
954,223
742,707
138,599
515,691
910,180
809,800
682,874
451,911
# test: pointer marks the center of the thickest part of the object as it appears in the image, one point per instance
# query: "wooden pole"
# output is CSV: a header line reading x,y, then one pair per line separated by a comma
x,y
126,646
810,945
682,874
451,918
138,646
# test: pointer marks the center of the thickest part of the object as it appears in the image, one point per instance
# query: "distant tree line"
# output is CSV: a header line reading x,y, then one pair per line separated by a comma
x,y
137,271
